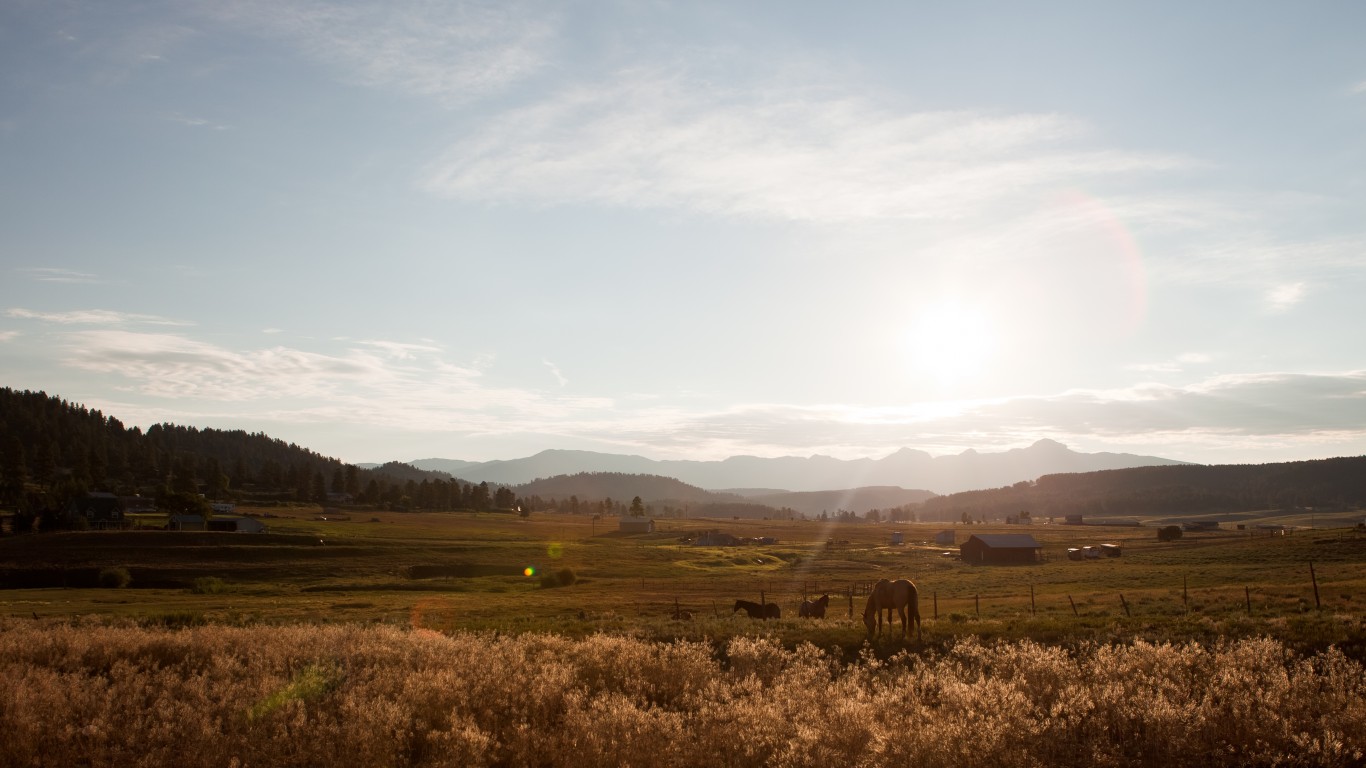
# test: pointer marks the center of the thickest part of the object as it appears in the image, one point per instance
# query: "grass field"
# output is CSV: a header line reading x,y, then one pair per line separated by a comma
x,y
467,571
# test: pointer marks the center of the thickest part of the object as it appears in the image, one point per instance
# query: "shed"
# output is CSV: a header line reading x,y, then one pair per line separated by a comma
x,y
185,523
898,538
999,548
636,525
945,539
236,524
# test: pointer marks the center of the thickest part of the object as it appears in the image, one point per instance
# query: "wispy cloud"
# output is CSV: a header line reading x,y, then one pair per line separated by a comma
x,y
399,350
197,122
555,371
91,317
8,335
58,275
451,51
393,384
1175,365
1283,297
655,141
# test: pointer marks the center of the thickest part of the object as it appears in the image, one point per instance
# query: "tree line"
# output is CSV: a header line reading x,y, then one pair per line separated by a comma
x,y
1338,483
53,451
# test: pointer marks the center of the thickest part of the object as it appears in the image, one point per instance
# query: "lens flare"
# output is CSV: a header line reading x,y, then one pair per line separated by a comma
x,y
529,571
555,550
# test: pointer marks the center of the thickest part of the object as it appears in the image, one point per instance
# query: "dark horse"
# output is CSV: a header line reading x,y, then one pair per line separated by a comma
x,y
814,609
757,611
901,596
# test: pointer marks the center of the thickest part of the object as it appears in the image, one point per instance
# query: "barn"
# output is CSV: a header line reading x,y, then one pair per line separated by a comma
x,y
1000,548
945,538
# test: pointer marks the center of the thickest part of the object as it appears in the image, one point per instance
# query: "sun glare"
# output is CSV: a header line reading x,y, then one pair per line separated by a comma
x,y
951,342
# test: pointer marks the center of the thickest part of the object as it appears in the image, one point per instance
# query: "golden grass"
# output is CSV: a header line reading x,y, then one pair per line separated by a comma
x,y
306,695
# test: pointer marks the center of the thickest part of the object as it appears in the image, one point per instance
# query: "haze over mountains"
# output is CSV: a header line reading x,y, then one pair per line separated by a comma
x,y
907,468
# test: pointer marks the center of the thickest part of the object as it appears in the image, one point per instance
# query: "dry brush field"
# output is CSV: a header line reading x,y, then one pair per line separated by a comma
x,y
407,639
307,695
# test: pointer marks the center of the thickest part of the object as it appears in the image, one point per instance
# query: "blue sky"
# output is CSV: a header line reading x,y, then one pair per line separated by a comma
x,y
693,230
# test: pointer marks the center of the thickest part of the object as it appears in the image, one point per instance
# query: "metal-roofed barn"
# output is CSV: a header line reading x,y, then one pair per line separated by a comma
x,y
1000,549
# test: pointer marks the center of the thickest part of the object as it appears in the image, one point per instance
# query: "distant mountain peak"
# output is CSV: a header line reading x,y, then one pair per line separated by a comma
x,y
906,468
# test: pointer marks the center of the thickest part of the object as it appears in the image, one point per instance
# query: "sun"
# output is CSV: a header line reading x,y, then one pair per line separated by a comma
x,y
951,341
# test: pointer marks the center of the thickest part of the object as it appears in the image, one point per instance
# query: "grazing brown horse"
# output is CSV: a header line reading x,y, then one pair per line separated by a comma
x,y
757,611
901,596
814,609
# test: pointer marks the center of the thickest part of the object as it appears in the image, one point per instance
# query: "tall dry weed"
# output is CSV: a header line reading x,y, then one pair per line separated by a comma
x,y
95,695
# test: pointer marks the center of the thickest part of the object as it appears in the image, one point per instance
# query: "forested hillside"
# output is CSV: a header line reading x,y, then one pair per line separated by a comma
x,y
1188,489
52,450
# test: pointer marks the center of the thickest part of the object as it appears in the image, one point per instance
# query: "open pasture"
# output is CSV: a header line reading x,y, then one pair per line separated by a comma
x,y
453,571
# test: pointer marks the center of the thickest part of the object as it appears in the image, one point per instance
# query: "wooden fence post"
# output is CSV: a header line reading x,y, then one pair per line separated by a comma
x,y
1185,599
1315,579
1033,610
1247,593
1124,603
936,606
1073,604
977,601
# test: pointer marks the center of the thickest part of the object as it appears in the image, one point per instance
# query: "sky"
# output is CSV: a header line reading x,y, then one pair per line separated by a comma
x,y
399,230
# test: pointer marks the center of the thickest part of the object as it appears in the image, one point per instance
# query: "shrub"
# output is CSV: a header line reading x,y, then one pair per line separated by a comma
x,y
1169,533
208,585
115,577
562,578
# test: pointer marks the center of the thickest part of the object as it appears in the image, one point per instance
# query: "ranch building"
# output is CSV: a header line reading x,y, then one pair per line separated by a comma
x,y
98,510
636,525
945,539
1000,548
236,525
185,523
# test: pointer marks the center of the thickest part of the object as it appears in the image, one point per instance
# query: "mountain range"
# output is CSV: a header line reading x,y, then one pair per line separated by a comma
x,y
906,468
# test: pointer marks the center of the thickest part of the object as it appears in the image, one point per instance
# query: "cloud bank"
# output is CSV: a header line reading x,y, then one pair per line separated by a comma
x,y
412,387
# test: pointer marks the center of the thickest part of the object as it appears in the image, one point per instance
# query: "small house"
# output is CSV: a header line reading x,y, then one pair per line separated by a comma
x,y
1110,550
1000,549
945,539
636,525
